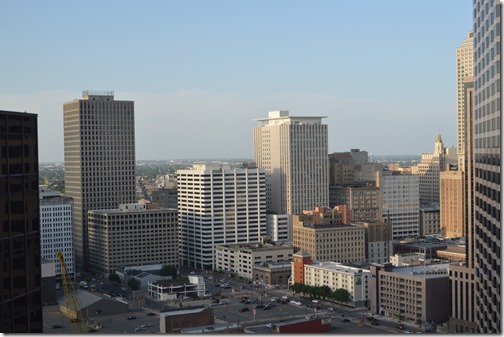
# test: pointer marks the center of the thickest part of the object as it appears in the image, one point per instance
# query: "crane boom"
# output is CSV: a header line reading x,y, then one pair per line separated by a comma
x,y
78,322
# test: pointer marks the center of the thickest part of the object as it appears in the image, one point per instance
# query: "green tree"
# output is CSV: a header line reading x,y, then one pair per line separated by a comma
x,y
133,283
325,291
341,295
114,278
297,287
169,271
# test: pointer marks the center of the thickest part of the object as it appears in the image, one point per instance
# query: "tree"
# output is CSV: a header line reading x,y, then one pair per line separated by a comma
x,y
340,295
114,278
169,271
133,283
325,291
297,287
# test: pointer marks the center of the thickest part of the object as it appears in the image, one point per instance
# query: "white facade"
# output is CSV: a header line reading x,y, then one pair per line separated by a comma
x,y
218,205
279,227
130,236
336,276
293,152
240,259
400,203
465,68
431,164
56,231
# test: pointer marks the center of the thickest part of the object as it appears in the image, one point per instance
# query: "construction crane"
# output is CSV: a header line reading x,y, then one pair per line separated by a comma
x,y
78,322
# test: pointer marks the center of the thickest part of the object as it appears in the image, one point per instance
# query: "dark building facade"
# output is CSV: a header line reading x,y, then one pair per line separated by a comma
x,y
487,159
20,281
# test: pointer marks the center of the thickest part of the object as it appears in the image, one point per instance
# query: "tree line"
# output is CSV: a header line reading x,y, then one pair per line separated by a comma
x,y
324,292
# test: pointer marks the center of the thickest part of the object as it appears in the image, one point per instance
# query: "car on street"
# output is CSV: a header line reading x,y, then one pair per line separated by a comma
x,y
400,326
131,317
370,318
374,322
285,297
244,309
260,306
330,309
146,325
269,325
315,301
346,320
151,314
295,302
140,328
267,308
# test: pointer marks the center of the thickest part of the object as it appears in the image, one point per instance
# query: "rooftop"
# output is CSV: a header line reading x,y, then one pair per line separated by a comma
x,y
338,267
427,271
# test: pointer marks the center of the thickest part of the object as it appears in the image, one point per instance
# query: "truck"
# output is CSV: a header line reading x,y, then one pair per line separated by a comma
x,y
83,284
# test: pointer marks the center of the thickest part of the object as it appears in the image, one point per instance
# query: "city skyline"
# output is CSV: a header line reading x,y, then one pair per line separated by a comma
x,y
203,72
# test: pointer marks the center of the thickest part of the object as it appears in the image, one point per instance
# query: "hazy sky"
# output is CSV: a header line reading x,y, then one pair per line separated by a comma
x,y
200,72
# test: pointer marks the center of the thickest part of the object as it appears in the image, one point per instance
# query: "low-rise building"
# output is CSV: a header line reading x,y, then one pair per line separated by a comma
x,y
338,276
419,294
240,258
407,259
162,290
329,242
272,274
174,321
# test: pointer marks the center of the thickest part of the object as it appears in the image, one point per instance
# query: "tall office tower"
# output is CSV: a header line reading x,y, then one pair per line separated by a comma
x,y
56,226
451,191
132,235
99,143
20,284
487,162
293,152
400,202
278,227
465,65
218,205
429,168
462,276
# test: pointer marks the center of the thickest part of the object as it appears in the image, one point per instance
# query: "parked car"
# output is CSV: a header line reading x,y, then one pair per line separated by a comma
x,y
146,325
400,326
285,297
346,320
315,301
269,325
140,328
330,309
267,308
244,309
370,318
131,317
260,306
151,314
374,322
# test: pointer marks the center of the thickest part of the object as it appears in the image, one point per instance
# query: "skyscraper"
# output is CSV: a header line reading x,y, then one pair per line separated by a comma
x,y
293,152
465,65
20,281
218,205
99,143
429,168
487,163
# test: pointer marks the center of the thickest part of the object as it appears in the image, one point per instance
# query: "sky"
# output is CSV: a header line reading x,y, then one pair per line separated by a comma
x,y
200,72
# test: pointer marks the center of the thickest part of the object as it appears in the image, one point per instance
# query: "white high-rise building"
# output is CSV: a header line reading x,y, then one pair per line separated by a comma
x,y
400,202
56,229
218,205
293,152
279,227
99,141
465,69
